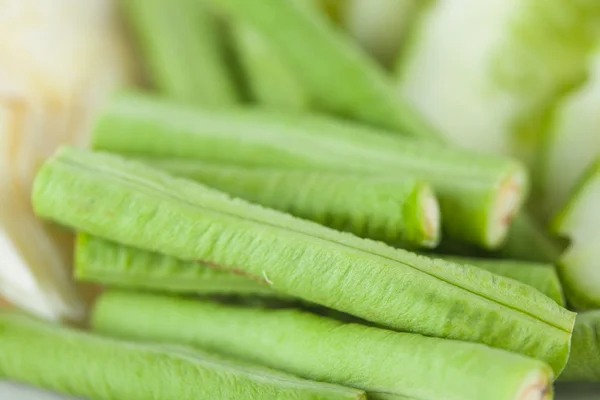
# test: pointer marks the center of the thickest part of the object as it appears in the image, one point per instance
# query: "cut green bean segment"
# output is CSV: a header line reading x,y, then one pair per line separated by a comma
x,y
127,202
584,360
179,41
79,363
102,261
271,82
394,210
385,364
478,194
578,221
345,80
488,73
572,142
543,277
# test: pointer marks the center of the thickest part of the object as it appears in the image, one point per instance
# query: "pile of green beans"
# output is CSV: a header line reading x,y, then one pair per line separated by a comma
x,y
321,243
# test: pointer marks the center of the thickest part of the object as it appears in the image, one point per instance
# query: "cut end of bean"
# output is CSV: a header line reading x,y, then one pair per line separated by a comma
x,y
509,199
538,387
431,217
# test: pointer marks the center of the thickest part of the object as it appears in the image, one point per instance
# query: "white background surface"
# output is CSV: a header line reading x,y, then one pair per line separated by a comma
x,y
11,391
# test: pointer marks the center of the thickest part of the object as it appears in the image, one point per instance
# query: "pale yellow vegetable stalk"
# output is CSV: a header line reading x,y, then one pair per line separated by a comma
x,y
58,60
572,142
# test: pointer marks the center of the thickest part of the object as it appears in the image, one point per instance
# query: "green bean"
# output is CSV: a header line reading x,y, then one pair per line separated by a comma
x,y
180,46
528,241
394,210
102,261
375,360
127,202
344,81
478,194
579,221
584,360
543,277
270,81
74,362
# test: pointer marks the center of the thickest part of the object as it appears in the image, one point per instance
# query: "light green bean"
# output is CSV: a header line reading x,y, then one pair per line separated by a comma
x,y
102,261
179,42
271,82
345,80
478,194
584,360
394,210
110,197
74,362
541,276
385,364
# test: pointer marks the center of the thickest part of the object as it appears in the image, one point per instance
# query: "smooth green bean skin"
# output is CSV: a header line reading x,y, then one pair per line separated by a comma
x,y
541,276
344,81
393,210
78,363
109,263
472,189
584,360
372,359
271,82
179,43
130,203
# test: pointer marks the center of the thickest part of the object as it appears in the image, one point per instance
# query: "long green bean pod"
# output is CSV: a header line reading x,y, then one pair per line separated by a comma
x,y
271,82
394,210
541,276
579,221
584,360
127,202
385,364
269,79
345,81
79,363
180,45
102,261
478,194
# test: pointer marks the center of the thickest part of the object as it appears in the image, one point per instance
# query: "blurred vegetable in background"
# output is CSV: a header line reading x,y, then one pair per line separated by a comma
x,y
180,45
488,73
579,221
380,25
572,142
58,61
